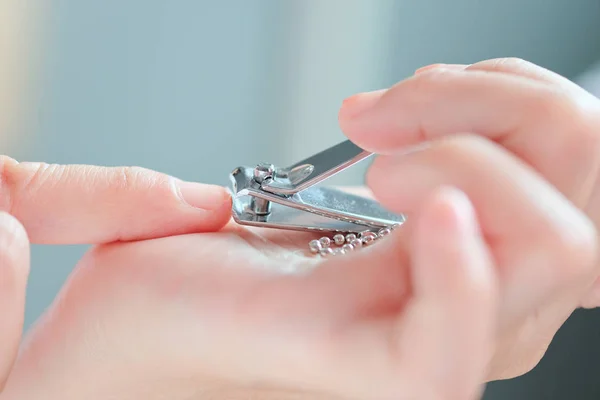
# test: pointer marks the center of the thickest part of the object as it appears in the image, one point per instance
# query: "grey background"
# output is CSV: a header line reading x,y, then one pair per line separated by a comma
x,y
194,88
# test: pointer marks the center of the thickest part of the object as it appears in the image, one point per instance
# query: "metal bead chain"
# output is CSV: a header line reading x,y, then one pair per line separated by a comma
x,y
346,242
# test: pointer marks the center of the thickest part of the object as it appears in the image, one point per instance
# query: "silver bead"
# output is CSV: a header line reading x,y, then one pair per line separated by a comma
x,y
339,239
347,247
356,243
384,232
325,241
314,246
350,237
368,237
368,234
326,252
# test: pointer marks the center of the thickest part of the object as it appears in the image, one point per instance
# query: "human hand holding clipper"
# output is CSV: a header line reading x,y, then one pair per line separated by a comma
x,y
524,144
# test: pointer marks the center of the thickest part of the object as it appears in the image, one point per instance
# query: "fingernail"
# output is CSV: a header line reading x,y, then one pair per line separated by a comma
x,y
465,212
428,67
359,103
462,214
202,196
446,66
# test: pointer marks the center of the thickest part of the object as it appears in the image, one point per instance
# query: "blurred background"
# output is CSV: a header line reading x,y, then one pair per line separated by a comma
x,y
195,88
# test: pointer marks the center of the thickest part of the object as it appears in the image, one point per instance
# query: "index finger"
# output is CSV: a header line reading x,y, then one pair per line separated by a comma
x,y
543,121
83,204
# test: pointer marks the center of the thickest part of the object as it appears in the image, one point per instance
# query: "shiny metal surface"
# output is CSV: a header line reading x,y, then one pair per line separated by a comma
x,y
317,168
312,209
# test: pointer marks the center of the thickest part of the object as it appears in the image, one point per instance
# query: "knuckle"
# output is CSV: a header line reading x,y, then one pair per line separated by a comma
x,y
460,148
560,111
584,123
424,82
504,64
425,85
552,106
576,122
132,178
558,108
584,140
575,248
128,177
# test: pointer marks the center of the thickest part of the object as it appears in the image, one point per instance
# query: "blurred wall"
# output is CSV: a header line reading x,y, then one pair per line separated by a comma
x,y
18,37
194,88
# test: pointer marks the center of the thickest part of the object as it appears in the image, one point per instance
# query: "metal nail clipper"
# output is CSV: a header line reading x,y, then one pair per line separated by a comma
x,y
289,198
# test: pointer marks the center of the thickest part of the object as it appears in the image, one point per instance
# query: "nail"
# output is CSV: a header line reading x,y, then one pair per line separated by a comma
x,y
428,67
461,213
202,196
446,66
359,103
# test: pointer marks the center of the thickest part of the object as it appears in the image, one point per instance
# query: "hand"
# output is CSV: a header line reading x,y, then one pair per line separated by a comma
x,y
248,313
524,144
85,204
336,331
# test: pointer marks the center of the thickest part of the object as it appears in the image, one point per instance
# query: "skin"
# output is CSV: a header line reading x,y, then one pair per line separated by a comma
x,y
472,288
202,295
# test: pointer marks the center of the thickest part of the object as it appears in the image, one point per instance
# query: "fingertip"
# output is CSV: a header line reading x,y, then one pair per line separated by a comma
x,y
212,201
202,196
451,256
219,213
359,103
448,213
454,291
355,119
222,215
381,122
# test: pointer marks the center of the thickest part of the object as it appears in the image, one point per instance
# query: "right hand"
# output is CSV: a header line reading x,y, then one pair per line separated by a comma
x,y
524,144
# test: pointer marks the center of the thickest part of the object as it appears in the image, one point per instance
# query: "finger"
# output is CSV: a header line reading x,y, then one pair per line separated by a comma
x,y
547,125
508,65
522,68
533,230
434,343
88,204
14,270
446,332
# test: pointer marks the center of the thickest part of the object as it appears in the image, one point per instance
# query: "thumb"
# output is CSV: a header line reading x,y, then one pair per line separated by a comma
x,y
14,271
426,298
447,328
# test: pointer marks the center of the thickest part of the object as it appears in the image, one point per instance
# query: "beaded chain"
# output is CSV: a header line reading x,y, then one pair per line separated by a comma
x,y
347,242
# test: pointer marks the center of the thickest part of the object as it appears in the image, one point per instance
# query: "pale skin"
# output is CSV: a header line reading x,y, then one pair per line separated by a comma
x,y
177,302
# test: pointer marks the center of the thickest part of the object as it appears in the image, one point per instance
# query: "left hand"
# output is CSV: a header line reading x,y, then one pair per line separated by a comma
x,y
249,313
